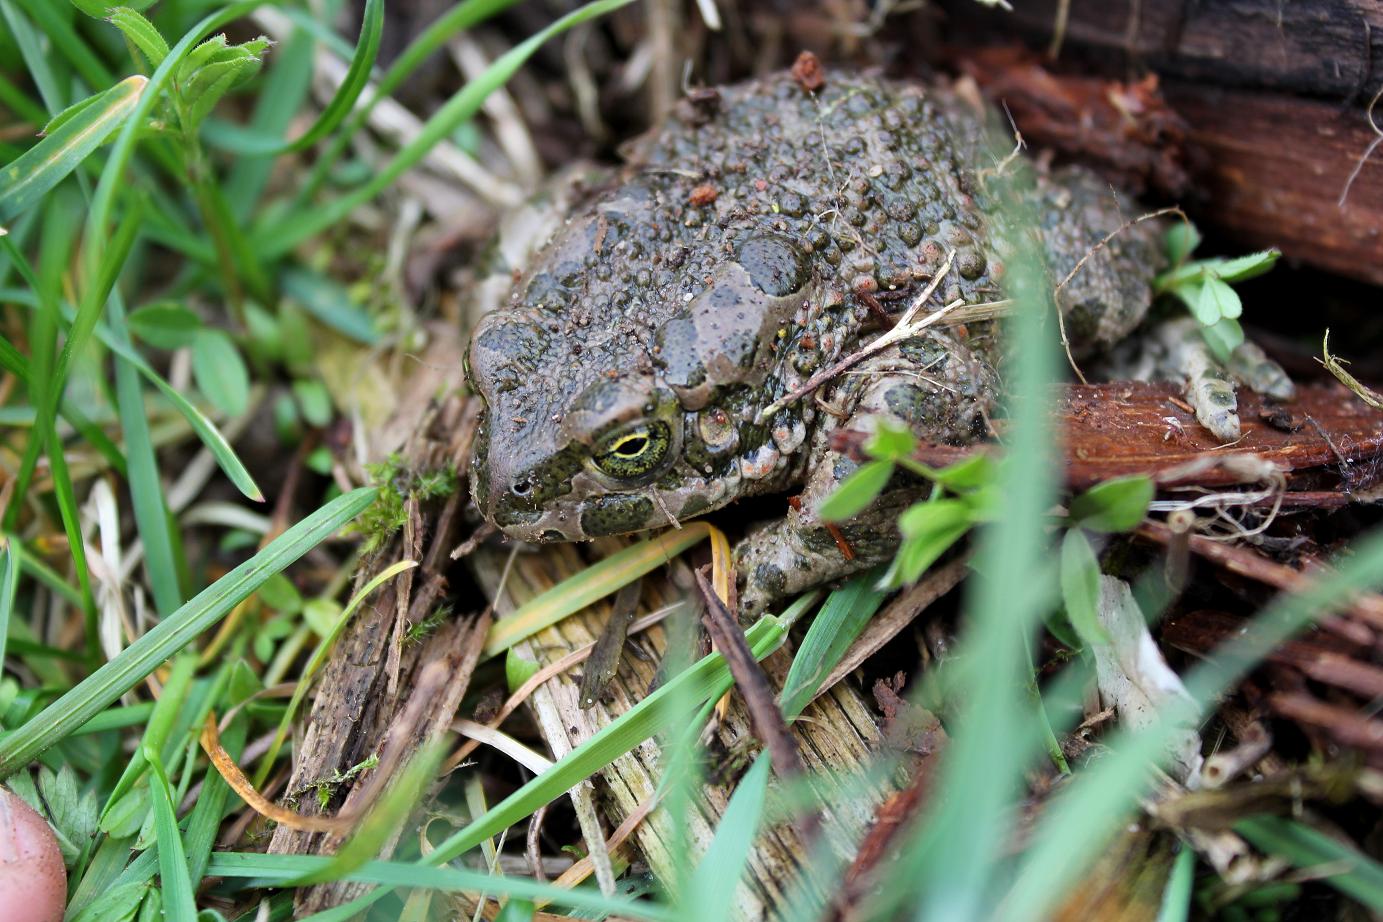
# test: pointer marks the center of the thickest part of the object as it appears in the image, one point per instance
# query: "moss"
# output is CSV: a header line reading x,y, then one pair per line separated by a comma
x,y
397,485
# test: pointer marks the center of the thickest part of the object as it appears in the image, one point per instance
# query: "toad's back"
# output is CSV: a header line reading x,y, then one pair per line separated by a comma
x,y
737,253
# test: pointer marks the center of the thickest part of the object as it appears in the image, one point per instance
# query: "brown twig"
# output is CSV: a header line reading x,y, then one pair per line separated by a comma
x,y
764,715
904,328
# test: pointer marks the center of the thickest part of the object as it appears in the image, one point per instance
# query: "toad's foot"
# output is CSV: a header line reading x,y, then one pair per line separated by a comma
x,y
1175,350
933,384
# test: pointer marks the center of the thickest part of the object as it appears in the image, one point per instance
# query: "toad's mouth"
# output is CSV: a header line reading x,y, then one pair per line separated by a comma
x,y
591,517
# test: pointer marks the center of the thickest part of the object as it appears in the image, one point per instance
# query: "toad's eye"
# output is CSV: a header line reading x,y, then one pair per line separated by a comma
x,y
634,451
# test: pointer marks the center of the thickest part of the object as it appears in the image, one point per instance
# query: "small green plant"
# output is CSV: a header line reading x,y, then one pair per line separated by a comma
x,y
397,484
962,496
1203,285
965,494
326,787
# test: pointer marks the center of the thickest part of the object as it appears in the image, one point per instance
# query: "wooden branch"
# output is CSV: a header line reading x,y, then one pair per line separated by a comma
x,y
1272,100
837,736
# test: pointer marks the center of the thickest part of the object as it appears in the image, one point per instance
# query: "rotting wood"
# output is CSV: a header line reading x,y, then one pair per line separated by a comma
x,y
353,708
1366,607
1321,657
1274,96
1330,49
1122,428
837,737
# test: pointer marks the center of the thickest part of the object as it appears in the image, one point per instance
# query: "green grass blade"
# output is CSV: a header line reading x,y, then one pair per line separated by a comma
x,y
278,869
146,488
843,615
713,883
1176,896
210,436
179,902
97,881
1359,876
156,732
11,553
205,820
108,683
953,860
55,248
357,76
286,234
25,181
460,17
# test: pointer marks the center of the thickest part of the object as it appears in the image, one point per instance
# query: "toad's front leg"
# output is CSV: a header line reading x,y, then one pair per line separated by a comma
x,y
932,384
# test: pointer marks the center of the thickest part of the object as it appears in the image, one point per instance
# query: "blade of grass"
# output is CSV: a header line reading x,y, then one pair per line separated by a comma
x,y
711,890
276,869
156,731
591,584
842,616
205,821
207,432
302,224
108,683
952,861
105,868
55,247
26,180
357,76
11,553
460,17
146,489
1176,896
1359,876
178,900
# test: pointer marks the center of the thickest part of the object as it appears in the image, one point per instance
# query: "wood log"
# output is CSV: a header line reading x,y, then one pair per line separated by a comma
x,y
1326,48
837,736
1275,96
